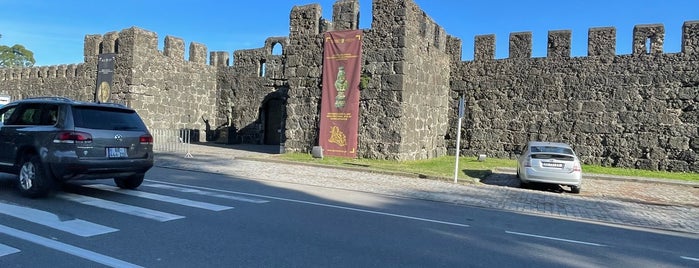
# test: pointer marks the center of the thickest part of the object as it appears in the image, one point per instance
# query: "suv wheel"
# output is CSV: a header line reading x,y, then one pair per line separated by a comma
x,y
34,181
131,182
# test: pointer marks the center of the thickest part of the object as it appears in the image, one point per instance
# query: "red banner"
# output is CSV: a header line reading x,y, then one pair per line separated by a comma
x,y
339,110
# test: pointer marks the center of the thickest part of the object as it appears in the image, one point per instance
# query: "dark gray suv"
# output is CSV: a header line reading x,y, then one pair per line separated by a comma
x,y
51,139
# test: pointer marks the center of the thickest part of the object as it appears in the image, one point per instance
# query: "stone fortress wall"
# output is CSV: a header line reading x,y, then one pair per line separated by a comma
x,y
166,90
639,110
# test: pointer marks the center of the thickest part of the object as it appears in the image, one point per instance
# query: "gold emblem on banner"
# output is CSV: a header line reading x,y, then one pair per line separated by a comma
x,y
337,137
104,92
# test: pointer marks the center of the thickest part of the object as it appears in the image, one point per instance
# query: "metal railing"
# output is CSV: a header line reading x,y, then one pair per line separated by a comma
x,y
171,140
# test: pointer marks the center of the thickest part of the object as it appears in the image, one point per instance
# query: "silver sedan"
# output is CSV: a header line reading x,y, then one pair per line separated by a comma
x,y
550,162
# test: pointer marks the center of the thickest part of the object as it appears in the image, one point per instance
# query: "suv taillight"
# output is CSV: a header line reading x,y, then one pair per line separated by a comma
x,y
146,139
73,137
528,163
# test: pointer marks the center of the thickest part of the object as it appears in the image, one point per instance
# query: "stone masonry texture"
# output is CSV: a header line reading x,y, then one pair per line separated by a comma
x,y
637,111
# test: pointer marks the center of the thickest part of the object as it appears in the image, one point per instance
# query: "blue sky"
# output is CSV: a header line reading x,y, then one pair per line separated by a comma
x,y
55,29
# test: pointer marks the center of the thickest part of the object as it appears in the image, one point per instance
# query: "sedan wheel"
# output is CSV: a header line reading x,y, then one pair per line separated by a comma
x,y
522,184
575,189
33,181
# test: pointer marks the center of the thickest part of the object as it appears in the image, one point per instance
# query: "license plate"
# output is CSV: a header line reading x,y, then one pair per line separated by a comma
x,y
117,152
552,165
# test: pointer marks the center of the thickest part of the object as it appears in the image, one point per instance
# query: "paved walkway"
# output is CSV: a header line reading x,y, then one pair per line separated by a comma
x,y
256,162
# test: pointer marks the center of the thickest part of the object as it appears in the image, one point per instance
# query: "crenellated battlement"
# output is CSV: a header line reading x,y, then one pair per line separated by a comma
x,y
559,44
634,111
345,15
652,35
139,40
219,58
249,57
520,45
690,37
648,39
174,48
305,20
47,72
601,42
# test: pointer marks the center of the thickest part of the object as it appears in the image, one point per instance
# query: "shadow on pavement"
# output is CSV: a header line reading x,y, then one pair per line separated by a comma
x,y
256,148
477,173
510,180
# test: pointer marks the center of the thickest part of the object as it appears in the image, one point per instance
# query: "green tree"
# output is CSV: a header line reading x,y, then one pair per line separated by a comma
x,y
16,56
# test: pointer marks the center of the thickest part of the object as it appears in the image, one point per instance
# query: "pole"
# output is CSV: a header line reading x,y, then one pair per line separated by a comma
x,y
458,140
458,147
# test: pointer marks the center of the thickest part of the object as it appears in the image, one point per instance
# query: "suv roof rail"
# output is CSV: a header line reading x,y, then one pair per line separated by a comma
x,y
69,100
50,98
116,104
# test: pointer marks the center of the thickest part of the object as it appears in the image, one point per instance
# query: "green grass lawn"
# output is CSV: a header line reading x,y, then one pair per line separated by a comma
x,y
470,167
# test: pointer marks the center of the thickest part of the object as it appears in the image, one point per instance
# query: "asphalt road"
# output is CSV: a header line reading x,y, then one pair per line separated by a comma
x,y
183,218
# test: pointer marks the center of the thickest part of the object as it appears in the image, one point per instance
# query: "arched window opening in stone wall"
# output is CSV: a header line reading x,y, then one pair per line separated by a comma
x,y
277,49
101,49
116,46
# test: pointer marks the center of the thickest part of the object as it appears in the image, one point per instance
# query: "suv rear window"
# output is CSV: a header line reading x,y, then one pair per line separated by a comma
x,y
108,118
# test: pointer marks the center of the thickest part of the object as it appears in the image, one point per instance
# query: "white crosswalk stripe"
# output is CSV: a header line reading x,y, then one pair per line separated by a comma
x,y
84,228
205,193
7,250
119,207
159,197
69,249
74,226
